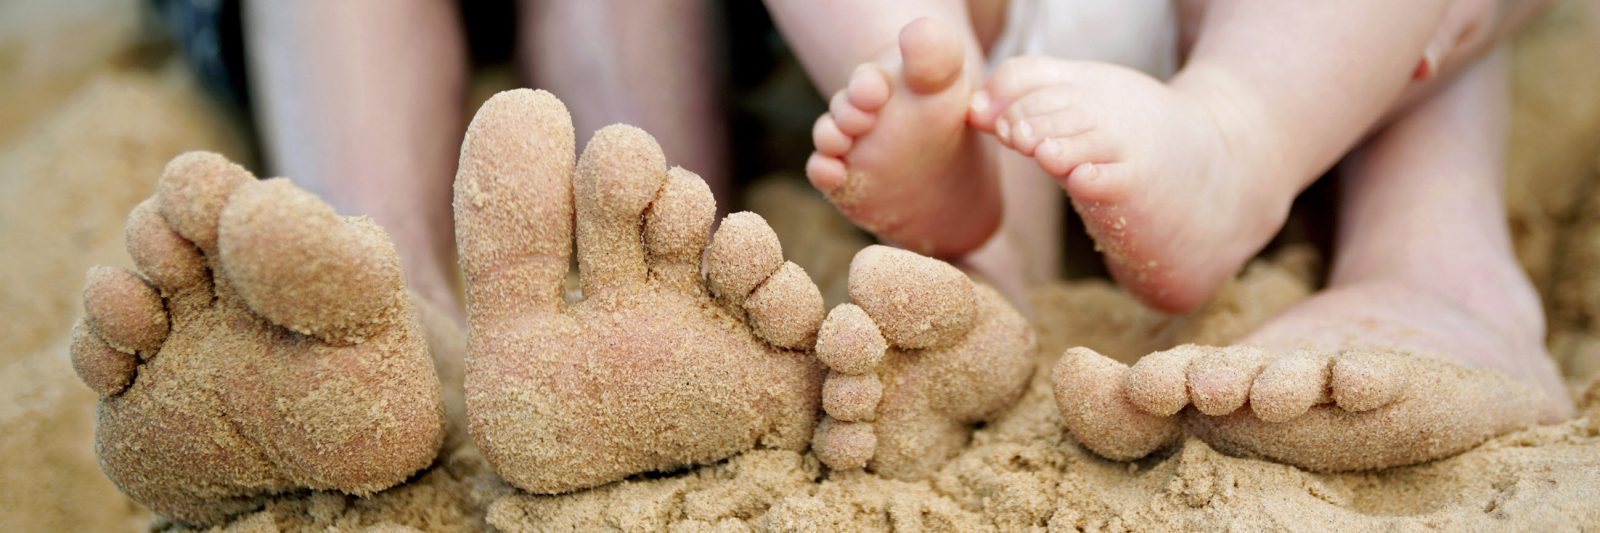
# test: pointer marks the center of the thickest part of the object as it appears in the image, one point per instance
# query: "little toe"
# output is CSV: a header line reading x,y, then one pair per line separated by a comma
x,y
786,310
827,138
844,445
124,311
513,204
301,266
619,174
1158,383
1361,380
869,87
850,120
931,55
172,263
826,173
918,302
192,192
676,229
852,397
1219,381
743,254
850,342
1289,386
106,370
1095,410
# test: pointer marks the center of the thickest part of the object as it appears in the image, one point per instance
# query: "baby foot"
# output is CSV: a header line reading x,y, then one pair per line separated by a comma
x,y
656,367
895,155
1335,405
921,356
1167,189
265,345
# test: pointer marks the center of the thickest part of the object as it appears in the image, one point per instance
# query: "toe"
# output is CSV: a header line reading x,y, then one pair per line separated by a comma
x,y
827,138
513,204
850,342
300,265
744,253
1018,77
918,302
931,55
852,397
826,173
192,191
1089,394
124,311
1061,125
786,310
850,120
1159,383
676,229
619,174
1360,380
1063,157
1288,386
1219,381
106,370
869,87
844,445
172,263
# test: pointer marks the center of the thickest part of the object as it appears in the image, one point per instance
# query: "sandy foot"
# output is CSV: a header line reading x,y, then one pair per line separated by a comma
x,y
1360,377
265,345
657,367
1162,176
921,356
894,154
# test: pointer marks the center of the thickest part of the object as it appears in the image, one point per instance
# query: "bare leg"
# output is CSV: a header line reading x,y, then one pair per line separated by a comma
x,y
361,102
648,64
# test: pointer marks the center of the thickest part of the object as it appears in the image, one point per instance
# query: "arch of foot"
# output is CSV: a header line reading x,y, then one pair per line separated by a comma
x,y
920,355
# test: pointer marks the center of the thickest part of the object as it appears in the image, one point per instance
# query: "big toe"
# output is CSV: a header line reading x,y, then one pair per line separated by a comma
x,y
932,55
1096,411
301,266
919,302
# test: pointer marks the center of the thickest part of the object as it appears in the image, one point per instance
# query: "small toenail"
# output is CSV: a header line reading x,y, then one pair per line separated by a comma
x,y
980,103
1049,148
1024,131
1003,129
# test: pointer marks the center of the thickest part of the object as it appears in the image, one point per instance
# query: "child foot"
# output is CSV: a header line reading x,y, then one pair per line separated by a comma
x,y
1369,375
1157,174
921,355
656,367
895,155
265,345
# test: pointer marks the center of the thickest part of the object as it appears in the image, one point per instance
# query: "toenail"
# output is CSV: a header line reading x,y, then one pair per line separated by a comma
x,y
981,103
1049,148
1003,129
1024,131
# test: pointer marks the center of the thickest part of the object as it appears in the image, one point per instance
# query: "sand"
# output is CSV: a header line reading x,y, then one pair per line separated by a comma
x,y
71,180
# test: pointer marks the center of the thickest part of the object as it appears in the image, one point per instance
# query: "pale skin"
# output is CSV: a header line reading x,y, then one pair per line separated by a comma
x,y
1182,182
364,102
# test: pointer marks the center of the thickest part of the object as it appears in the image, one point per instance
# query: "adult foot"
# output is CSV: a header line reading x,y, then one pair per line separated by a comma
x,y
656,367
921,356
265,345
894,153
1367,375
1167,180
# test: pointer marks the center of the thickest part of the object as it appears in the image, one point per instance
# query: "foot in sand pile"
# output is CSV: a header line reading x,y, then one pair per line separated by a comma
x,y
656,367
265,345
1352,379
922,355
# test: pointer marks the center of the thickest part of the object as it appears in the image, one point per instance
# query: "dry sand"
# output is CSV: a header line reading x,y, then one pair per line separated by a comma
x,y
71,178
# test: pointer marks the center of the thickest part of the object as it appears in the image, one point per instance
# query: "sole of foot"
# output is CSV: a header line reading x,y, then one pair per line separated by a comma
x,y
894,153
921,355
657,366
1371,389
1169,197
264,345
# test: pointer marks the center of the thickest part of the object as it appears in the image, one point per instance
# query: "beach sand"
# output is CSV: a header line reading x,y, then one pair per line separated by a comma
x,y
91,151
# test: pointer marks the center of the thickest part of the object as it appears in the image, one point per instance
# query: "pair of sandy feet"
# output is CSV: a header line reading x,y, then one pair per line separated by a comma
x,y
266,345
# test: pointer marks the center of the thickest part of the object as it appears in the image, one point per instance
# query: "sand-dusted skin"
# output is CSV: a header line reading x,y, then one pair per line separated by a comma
x,y
657,366
921,355
1358,409
265,345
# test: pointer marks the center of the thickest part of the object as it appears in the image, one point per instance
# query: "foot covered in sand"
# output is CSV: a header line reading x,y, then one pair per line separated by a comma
x,y
656,367
1167,177
1364,376
264,345
894,153
922,355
